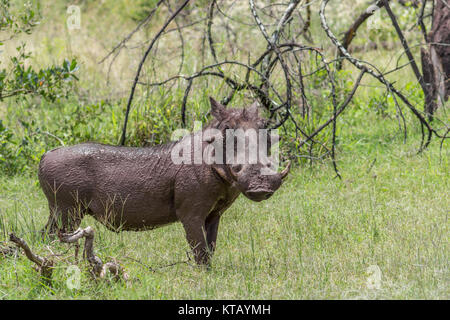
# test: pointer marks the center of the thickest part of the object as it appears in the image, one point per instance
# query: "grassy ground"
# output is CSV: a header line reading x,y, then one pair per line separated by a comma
x,y
317,238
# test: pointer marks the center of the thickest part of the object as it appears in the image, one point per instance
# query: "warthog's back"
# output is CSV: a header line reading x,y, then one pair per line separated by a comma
x,y
131,185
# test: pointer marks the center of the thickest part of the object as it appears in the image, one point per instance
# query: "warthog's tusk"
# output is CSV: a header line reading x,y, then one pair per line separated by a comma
x,y
233,175
285,172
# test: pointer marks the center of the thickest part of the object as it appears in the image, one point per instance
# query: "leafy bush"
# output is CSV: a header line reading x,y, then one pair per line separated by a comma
x,y
157,124
18,79
19,154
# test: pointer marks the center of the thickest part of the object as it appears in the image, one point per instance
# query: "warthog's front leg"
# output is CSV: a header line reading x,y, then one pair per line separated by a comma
x,y
200,218
212,226
197,238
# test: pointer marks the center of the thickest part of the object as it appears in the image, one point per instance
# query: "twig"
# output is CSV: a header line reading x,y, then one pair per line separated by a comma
x,y
136,79
351,32
338,111
406,47
128,37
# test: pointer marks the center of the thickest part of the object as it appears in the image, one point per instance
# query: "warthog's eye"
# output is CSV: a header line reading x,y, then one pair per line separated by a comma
x,y
236,168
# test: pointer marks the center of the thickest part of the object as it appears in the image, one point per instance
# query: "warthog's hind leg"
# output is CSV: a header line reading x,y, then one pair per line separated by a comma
x,y
64,218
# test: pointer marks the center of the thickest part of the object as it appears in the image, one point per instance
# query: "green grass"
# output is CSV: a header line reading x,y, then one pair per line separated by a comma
x,y
314,239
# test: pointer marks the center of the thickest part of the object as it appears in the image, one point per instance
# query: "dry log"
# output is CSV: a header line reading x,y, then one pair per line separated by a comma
x,y
43,265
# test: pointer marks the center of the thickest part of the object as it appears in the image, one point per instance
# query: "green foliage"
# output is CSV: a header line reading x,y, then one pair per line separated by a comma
x,y
157,124
143,9
19,153
17,78
23,20
34,127
7,154
49,83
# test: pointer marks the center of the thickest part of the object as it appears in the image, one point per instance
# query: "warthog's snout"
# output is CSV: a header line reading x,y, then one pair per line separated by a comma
x,y
259,194
258,187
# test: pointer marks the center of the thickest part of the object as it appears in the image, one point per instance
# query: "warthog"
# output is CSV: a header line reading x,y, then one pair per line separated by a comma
x,y
131,188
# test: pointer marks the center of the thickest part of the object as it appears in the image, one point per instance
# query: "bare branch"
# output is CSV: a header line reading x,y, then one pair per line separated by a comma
x,y
99,270
144,22
376,75
136,79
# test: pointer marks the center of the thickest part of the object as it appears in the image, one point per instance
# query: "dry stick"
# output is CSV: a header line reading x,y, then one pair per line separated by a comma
x,y
128,37
399,113
307,23
333,139
406,47
351,32
420,22
44,266
273,46
208,30
136,79
378,76
88,233
286,16
305,106
98,268
338,111
184,102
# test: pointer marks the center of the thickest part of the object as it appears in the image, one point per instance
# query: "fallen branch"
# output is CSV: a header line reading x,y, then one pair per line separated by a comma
x,y
98,269
44,265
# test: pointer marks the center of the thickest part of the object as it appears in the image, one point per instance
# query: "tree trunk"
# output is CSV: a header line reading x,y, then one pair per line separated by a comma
x,y
436,59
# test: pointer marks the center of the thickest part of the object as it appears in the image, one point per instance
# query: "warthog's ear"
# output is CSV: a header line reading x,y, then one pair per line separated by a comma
x,y
217,109
252,111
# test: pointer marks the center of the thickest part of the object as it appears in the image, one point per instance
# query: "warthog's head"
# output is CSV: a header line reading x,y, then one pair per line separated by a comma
x,y
246,147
